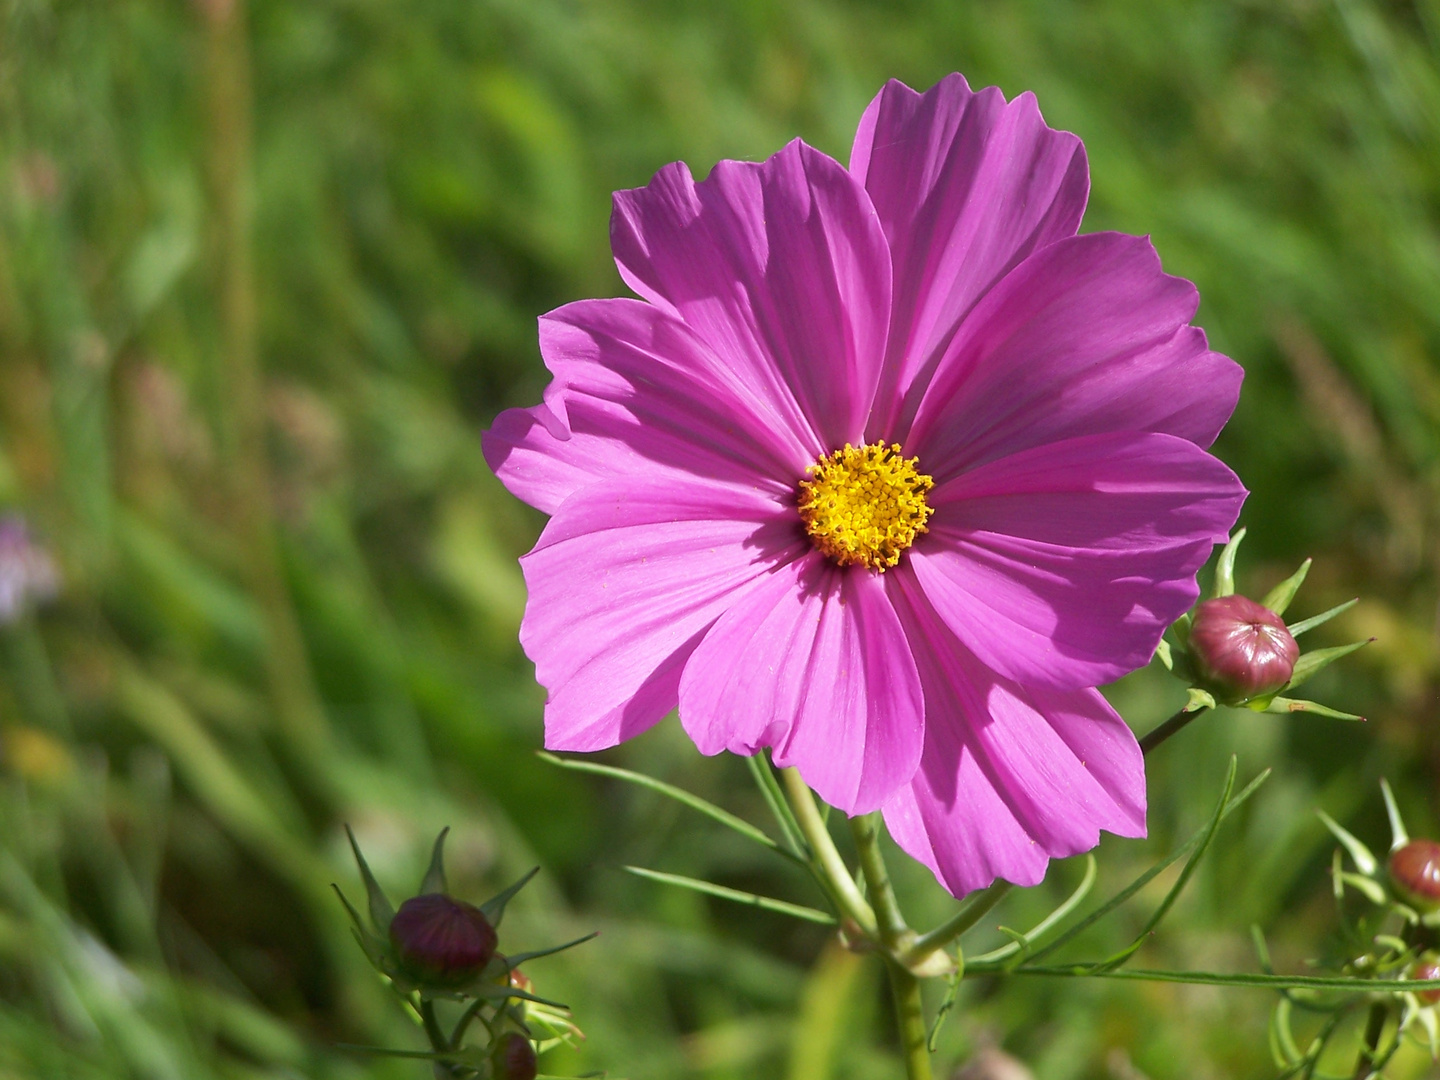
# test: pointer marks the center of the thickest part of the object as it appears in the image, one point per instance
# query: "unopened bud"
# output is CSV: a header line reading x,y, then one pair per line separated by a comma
x,y
512,1058
1415,873
441,941
1427,969
1241,650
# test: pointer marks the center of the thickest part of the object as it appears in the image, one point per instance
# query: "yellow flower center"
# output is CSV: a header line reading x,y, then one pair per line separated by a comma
x,y
864,505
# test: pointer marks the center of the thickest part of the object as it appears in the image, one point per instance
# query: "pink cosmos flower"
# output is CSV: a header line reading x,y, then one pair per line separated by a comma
x,y
886,471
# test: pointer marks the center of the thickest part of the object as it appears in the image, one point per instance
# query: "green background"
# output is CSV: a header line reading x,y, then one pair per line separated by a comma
x,y
268,269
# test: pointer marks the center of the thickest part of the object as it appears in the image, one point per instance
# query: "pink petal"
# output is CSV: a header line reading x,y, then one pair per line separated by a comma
x,y
1010,777
1062,566
966,187
813,663
624,581
781,268
1087,335
635,393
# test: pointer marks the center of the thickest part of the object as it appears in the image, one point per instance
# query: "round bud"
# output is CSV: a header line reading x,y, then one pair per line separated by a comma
x,y
512,1058
1428,968
1415,873
441,941
1241,650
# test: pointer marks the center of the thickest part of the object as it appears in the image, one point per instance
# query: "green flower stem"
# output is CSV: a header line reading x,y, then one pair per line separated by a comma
x,y
1168,728
828,862
897,937
910,1017
971,912
866,831
1374,1028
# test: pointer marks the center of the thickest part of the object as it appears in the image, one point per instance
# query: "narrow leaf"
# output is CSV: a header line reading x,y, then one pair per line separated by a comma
x,y
1278,598
434,881
710,810
1225,566
1028,940
1317,660
1214,978
494,908
1398,836
1319,620
764,777
381,911
764,903
1365,861
1149,875
1293,705
1186,872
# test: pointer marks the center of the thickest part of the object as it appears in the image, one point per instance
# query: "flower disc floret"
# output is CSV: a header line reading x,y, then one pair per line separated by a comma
x,y
864,505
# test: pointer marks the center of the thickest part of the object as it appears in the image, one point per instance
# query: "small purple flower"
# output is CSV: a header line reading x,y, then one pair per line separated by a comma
x,y
28,575
886,471
441,941
1241,649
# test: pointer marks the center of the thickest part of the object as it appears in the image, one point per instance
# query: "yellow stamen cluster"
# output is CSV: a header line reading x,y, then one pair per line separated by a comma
x,y
864,505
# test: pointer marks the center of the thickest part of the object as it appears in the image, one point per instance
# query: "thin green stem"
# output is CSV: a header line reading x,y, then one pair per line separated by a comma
x,y
1374,1028
910,1017
1168,728
827,860
896,936
432,1026
971,912
866,831
463,1024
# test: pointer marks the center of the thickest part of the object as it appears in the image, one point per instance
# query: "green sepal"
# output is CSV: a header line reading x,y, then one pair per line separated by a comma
x,y
1399,837
1321,619
1371,890
1225,566
1278,598
1199,699
1162,653
535,954
1312,663
1364,858
381,911
494,908
1291,705
434,881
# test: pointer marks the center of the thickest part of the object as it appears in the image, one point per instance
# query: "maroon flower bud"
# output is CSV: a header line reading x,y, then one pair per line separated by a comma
x,y
441,941
512,1058
1427,969
1415,873
1241,650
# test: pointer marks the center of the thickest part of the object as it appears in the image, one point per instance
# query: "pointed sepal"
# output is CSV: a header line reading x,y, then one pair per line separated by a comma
x,y
494,908
381,910
1278,598
434,881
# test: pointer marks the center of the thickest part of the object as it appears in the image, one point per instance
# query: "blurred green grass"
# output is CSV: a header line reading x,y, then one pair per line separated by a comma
x,y
265,272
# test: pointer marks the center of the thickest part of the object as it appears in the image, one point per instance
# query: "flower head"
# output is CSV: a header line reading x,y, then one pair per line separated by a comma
x,y
441,941
1241,649
1415,872
885,471
512,1058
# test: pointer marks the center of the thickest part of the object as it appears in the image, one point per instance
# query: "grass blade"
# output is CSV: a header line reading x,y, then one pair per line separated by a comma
x,y
1149,875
